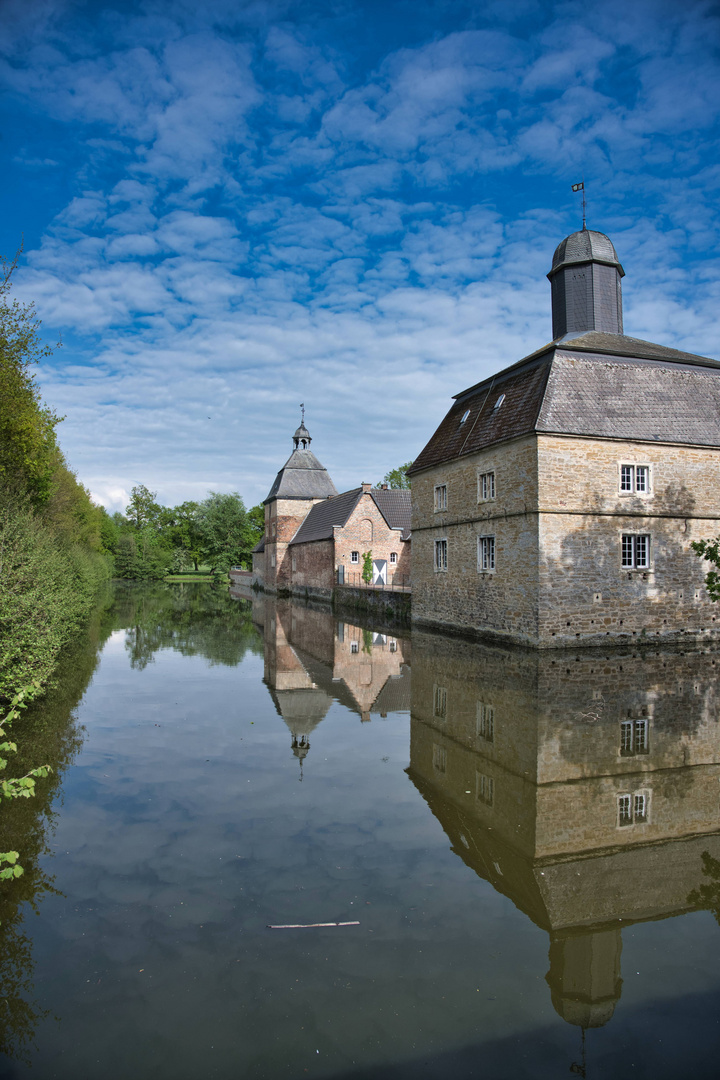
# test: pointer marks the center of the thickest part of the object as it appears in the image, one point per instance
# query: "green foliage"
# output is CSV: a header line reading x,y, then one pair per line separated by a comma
x,y
22,787
397,478
708,895
139,556
28,448
48,588
256,523
142,510
367,570
710,550
225,532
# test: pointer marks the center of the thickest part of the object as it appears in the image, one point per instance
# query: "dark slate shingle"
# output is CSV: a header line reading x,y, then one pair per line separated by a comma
x,y
302,477
318,525
395,506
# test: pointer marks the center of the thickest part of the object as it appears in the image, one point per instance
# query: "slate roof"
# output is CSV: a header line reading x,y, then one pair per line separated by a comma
x,y
259,547
318,525
302,477
323,516
594,384
395,506
585,246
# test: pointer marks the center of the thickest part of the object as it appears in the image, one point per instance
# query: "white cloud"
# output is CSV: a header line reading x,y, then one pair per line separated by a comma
x,y
259,221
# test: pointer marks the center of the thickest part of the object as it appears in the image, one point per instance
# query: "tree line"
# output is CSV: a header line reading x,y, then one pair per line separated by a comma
x,y
150,541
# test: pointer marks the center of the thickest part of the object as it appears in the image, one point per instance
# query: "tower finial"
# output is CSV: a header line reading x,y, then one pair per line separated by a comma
x,y
302,418
581,187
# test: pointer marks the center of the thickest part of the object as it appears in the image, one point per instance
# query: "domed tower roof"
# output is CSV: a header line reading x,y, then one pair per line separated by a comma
x,y
586,291
585,246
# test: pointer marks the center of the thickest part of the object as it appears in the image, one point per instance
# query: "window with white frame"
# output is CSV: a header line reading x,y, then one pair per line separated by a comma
x,y
439,758
633,738
484,788
393,558
440,497
354,556
635,551
633,808
486,486
439,702
634,479
441,555
485,722
486,553
354,646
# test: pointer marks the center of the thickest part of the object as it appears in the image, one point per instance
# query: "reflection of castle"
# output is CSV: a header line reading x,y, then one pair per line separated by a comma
x,y
311,659
585,787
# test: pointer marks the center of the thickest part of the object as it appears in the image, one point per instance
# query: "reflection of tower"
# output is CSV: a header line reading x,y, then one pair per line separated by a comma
x,y
566,782
302,710
584,976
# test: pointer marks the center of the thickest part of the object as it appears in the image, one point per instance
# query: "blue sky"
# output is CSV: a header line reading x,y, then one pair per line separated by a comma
x,y
231,207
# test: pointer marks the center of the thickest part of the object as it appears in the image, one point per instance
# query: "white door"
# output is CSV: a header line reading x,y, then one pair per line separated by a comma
x,y
379,571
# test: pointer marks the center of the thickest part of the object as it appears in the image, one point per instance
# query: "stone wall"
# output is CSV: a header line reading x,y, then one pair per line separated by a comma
x,y
503,602
585,595
557,520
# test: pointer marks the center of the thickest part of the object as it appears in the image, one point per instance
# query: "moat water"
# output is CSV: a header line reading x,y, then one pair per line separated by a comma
x,y
521,852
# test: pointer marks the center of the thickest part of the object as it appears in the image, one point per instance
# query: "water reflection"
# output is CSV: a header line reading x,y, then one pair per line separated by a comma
x,y
584,787
313,659
47,733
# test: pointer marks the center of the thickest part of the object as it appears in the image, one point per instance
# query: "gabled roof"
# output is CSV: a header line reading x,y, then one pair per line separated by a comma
x,y
302,477
394,505
592,384
318,525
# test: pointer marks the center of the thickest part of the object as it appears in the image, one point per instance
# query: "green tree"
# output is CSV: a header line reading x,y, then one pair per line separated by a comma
x,y
28,447
397,478
142,509
256,522
225,531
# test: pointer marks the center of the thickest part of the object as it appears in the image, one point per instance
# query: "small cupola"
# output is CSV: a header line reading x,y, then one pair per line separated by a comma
x,y
586,290
301,438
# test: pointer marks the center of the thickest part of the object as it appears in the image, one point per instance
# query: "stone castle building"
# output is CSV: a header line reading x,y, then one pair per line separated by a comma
x,y
315,538
556,502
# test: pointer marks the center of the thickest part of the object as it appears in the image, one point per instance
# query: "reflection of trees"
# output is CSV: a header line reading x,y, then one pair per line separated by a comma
x,y
47,733
707,896
195,620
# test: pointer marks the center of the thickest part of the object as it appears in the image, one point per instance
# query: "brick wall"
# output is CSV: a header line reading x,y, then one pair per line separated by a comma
x,y
312,567
367,530
283,518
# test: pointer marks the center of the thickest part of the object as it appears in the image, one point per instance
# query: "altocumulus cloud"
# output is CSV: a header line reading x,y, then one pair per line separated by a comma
x,y
232,208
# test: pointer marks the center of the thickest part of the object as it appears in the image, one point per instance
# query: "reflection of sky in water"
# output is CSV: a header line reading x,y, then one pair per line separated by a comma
x,y
185,830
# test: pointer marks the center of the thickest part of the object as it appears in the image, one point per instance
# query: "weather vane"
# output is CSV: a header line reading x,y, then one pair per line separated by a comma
x,y
581,187
302,420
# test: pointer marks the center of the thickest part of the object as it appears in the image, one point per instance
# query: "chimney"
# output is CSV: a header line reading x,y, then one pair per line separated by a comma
x,y
384,487
366,488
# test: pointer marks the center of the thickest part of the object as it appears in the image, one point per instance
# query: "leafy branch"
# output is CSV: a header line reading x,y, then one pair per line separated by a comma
x,y
21,787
